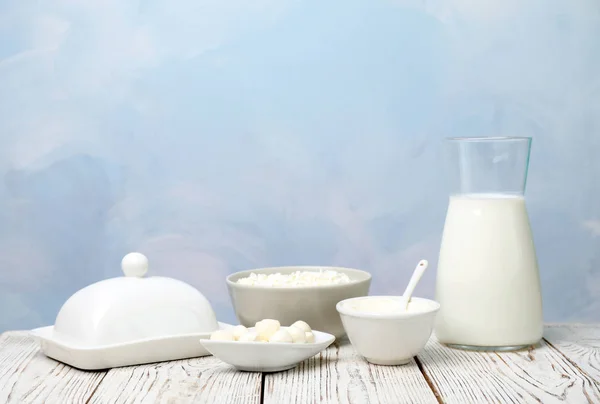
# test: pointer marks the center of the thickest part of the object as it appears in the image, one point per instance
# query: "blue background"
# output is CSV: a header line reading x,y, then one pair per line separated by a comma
x,y
216,136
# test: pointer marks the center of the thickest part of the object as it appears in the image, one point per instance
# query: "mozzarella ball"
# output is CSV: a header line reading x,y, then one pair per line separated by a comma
x,y
298,335
266,328
281,335
262,338
310,337
302,325
222,335
238,331
249,336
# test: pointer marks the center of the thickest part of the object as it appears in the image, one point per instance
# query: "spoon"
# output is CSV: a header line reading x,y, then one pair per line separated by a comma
x,y
414,279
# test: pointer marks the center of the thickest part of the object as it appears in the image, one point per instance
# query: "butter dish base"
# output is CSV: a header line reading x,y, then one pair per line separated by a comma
x,y
139,352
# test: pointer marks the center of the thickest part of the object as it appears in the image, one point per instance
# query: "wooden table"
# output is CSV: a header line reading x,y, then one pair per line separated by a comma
x,y
565,367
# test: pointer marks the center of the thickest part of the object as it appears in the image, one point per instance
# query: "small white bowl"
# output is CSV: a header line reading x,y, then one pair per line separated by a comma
x,y
390,338
266,356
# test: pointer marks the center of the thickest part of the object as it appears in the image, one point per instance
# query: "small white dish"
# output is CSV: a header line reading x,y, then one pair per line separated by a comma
x,y
383,332
138,352
266,356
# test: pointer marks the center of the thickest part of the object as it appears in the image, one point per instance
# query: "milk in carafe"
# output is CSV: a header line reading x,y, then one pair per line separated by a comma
x,y
492,298
488,281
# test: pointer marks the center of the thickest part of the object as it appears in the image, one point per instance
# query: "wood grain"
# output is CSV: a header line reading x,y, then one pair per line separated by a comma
x,y
27,376
199,380
566,369
339,375
537,375
580,343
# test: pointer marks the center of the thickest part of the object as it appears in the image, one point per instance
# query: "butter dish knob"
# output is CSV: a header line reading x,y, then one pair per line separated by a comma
x,y
134,265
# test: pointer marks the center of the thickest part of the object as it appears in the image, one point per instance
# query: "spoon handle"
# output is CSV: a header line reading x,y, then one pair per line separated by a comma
x,y
414,280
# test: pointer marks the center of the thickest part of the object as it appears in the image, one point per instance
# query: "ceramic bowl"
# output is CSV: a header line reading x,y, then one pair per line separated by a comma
x,y
392,338
313,304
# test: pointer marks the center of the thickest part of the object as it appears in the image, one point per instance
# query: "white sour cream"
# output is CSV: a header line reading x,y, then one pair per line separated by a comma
x,y
388,305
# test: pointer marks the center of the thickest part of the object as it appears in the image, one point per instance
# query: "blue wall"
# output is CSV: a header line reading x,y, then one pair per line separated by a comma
x,y
216,136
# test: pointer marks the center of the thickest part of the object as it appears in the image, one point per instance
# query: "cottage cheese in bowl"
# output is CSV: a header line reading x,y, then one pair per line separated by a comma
x,y
287,294
296,279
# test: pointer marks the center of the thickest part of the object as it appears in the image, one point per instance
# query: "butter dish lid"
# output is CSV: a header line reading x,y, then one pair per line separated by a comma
x,y
133,308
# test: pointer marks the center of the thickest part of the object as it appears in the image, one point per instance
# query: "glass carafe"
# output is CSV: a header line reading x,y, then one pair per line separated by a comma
x,y
488,281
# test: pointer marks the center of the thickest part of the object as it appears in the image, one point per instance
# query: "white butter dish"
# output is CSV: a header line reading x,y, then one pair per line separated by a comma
x,y
124,354
130,320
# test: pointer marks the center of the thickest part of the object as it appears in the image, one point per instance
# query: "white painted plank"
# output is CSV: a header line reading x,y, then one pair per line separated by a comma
x,y
27,376
580,343
339,375
565,370
199,380
540,374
